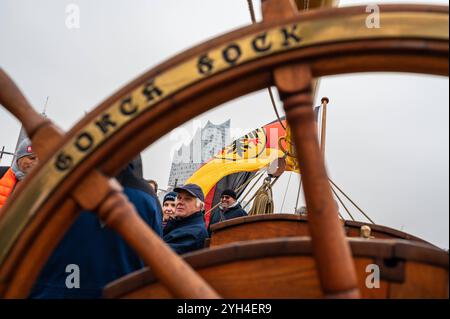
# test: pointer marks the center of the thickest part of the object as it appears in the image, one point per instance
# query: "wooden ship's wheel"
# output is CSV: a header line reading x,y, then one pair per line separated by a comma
x,y
288,50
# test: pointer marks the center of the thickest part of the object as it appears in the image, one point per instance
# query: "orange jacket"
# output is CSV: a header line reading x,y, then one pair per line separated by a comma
x,y
7,184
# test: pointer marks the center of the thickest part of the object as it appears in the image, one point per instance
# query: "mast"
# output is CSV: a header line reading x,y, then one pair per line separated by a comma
x,y
323,133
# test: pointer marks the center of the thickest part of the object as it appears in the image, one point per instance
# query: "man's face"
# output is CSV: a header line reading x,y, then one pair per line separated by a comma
x,y
26,163
185,205
168,210
227,201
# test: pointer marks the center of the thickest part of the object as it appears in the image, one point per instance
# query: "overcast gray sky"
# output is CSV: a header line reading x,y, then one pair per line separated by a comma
x,y
387,134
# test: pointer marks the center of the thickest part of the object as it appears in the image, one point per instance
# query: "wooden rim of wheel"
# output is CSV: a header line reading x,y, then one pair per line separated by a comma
x,y
413,38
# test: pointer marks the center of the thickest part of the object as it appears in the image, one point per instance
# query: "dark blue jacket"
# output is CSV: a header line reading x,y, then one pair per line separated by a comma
x,y
100,253
219,216
186,234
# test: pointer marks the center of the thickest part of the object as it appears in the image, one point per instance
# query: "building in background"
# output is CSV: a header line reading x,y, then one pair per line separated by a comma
x,y
205,144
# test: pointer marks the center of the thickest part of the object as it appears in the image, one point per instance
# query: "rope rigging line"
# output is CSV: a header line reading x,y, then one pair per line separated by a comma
x,y
254,195
263,203
251,10
249,180
272,99
253,186
269,89
362,212
285,192
348,212
322,146
239,188
298,194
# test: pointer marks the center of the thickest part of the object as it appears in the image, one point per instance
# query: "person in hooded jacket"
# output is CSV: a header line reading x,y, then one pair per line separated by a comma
x,y
24,161
91,255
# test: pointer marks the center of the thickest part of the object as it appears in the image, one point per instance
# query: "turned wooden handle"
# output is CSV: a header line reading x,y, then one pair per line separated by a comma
x,y
332,252
13,100
173,272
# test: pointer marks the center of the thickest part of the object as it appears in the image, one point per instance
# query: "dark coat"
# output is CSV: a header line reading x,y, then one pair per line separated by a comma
x,y
219,216
186,234
100,253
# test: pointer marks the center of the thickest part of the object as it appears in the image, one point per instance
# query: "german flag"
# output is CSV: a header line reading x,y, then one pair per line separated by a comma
x,y
238,162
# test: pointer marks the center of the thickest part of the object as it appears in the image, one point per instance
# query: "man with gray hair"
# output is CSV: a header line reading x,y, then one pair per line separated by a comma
x,y
187,230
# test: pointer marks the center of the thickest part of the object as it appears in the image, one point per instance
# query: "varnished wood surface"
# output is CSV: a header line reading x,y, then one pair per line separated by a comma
x,y
287,225
285,268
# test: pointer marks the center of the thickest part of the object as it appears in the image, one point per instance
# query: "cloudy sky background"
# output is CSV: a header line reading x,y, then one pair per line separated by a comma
x,y
387,134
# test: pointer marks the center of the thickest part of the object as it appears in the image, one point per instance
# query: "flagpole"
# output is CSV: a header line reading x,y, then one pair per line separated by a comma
x,y
45,107
324,101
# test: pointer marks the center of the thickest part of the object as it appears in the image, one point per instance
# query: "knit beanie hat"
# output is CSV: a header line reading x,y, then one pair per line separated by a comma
x,y
24,149
230,193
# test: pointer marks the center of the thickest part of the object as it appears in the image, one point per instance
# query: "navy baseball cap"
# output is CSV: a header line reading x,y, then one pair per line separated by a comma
x,y
192,189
